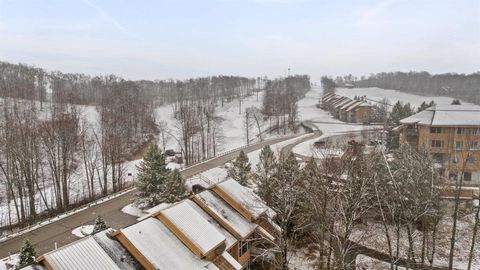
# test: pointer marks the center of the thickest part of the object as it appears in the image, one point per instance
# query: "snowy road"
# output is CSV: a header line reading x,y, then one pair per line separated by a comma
x,y
60,232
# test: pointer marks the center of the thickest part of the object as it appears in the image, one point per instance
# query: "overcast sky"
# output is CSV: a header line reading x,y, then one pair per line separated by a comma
x,y
163,39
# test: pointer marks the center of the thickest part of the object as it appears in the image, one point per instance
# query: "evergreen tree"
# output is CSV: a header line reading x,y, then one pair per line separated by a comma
x,y
176,186
99,226
241,169
425,105
27,254
152,178
265,169
400,111
456,102
156,183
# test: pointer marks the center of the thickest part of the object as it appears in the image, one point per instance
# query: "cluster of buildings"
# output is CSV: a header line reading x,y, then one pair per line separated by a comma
x,y
222,227
452,135
347,109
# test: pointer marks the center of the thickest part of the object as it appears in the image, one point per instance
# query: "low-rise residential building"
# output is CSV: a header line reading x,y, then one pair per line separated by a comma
x,y
452,135
346,109
216,229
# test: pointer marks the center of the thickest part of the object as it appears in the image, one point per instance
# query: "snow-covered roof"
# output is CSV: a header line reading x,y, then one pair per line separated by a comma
x,y
343,102
226,213
358,104
348,104
446,115
198,230
230,239
115,250
340,100
424,118
162,248
243,196
82,254
231,260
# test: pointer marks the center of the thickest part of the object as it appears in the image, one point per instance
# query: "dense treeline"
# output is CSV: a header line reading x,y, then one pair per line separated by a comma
x,y
56,153
462,86
27,82
281,98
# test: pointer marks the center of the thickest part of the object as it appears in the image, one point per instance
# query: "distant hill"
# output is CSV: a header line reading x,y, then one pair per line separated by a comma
x,y
461,86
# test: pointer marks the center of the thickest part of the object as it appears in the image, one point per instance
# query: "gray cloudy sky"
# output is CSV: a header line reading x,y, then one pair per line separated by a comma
x,y
189,38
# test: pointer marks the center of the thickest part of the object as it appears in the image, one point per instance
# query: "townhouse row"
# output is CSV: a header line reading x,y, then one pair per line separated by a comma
x,y
347,109
220,228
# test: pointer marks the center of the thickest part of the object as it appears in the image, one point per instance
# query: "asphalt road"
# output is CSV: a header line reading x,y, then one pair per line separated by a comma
x,y
45,237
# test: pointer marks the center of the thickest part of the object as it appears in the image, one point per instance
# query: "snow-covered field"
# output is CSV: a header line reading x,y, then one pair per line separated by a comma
x,y
377,94
82,231
373,236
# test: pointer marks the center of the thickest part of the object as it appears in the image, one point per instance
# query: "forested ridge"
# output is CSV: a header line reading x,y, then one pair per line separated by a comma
x,y
461,86
65,138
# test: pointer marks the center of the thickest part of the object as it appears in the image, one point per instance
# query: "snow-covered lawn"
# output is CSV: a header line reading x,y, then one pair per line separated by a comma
x,y
141,212
82,231
10,262
373,236
367,263
377,94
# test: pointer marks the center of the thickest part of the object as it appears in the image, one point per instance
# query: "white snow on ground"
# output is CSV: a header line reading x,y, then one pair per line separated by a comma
x,y
367,263
10,262
377,94
373,236
133,210
141,212
82,231
331,129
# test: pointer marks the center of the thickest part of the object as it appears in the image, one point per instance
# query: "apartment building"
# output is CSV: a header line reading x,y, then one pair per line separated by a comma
x,y
452,135
218,228
346,109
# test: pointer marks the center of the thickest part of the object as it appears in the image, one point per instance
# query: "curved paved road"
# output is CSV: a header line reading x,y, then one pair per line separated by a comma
x,y
45,237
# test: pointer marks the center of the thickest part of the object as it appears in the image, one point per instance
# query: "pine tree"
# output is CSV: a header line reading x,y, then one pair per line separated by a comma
x,y
99,226
152,177
241,169
265,170
456,102
27,254
176,185
156,183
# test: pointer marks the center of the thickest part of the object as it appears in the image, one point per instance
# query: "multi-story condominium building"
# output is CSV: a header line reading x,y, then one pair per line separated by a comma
x,y
452,135
216,229
346,109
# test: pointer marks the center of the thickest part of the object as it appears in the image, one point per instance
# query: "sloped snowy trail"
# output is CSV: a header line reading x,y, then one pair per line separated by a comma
x,y
377,94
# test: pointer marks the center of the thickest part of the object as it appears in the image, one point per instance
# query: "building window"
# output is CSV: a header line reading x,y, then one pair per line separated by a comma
x,y
435,130
475,131
467,176
474,146
460,131
471,159
458,145
437,143
455,159
243,247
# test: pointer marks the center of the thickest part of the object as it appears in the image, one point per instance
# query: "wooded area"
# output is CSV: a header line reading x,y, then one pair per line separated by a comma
x,y
460,86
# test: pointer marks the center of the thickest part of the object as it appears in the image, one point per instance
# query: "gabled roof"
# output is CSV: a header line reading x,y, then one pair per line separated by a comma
x,y
162,248
358,104
348,104
446,115
232,219
339,100
343,102
328,95
230,239
331,98
194,226
85,254
249,204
